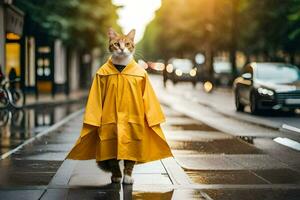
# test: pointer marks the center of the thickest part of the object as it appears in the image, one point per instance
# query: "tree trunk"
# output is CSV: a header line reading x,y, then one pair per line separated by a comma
x,y
234,28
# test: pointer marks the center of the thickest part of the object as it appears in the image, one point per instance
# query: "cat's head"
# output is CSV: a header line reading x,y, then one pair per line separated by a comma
x,y
121,45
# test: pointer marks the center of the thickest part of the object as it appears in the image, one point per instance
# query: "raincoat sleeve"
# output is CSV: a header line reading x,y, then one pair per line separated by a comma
x,y
93,109
153,111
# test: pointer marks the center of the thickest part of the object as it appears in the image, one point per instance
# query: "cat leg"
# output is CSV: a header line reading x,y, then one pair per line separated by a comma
x,y
116,176
111,165
128,167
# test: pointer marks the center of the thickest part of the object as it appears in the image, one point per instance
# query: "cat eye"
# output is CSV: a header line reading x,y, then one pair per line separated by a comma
x,y
116,44
127,44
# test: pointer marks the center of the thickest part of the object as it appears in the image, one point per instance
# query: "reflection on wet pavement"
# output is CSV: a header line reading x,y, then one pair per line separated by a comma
x,y
209,157
16,126
254,194
225,146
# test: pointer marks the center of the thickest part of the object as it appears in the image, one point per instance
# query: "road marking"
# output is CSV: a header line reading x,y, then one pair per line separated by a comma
x,y
288,142
290,128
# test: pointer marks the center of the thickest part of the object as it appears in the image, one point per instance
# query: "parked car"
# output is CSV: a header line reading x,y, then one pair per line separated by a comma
x,y
265,86
222,73
180,70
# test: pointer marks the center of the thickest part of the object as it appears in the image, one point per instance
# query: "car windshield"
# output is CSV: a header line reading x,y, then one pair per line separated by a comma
x,y
185,65
277,73
222,67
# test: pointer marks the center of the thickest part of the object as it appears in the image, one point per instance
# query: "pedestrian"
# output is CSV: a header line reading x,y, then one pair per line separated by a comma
x,y
12,75
122,116
2,76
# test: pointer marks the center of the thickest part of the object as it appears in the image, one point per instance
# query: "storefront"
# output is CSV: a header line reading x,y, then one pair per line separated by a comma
x,y
14,20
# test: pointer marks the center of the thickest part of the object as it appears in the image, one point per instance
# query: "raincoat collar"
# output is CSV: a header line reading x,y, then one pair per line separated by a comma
x,y
131,69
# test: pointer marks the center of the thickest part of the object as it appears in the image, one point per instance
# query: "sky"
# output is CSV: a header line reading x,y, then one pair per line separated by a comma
x,y
136,14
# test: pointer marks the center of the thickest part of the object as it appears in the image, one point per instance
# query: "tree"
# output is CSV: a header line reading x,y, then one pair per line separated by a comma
x,y
80,23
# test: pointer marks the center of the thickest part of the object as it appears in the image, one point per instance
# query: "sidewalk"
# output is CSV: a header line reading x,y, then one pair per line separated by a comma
x,y
59,98
38,171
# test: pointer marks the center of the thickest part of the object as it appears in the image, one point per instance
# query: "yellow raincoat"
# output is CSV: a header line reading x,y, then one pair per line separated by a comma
x,y
122,118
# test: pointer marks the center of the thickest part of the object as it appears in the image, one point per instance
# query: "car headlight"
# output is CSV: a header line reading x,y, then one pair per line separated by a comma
x,y
193,72
264,91
169,68
178,72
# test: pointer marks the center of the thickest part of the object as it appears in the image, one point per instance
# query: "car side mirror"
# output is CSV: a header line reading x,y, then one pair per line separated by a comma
x,y
247,76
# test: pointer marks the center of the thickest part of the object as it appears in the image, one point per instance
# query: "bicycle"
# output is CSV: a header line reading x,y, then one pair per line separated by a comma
x,y
11,95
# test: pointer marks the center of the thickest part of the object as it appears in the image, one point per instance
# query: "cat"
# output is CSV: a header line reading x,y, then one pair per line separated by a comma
x,y
122,49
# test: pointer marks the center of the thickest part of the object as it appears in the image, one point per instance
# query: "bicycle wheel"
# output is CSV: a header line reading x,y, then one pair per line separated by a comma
x,y
18,98
4,117
4,99
17,117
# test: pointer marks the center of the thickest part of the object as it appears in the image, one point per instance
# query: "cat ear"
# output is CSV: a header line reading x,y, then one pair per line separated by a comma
x,y
131,34
112,33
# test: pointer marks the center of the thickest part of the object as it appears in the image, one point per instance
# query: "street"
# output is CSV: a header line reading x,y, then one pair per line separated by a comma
x,y
215,157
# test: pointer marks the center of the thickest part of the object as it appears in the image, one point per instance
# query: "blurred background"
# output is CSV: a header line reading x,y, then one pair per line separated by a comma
x,y
49,43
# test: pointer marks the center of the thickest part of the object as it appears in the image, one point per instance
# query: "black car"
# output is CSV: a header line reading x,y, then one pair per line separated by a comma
x,y
180,70
222,73
266,86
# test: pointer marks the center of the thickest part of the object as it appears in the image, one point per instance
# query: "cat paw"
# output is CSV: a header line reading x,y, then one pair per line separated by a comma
x,y
116,179
128,179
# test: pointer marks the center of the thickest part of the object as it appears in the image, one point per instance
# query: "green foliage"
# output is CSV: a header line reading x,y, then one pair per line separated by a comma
x,y
80,23
185,27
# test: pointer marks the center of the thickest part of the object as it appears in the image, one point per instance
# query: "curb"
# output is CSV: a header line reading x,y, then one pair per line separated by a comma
x,y
45,132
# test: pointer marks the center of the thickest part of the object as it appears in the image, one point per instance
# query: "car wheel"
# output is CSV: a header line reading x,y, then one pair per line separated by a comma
x,y
253,105
194,83
238,105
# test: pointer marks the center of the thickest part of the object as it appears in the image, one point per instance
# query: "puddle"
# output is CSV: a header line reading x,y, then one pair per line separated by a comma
x,y
16,126
253,194
220,146
192,126
224,177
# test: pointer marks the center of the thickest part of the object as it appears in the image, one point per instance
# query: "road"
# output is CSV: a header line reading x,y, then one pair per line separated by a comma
x,y
222,100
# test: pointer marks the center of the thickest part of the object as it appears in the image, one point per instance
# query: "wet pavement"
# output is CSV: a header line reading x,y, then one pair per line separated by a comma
x,y
222,101
216,157
17,126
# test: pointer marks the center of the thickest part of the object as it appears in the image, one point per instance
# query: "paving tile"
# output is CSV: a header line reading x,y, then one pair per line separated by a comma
x,y
25,179
55,194
89,179
153,195
224,177
50,156
219,146
207,162
152,179
257,161
154,167
279,176
93,193
190,126
15,194
25,166
254,194
195,135
229,162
